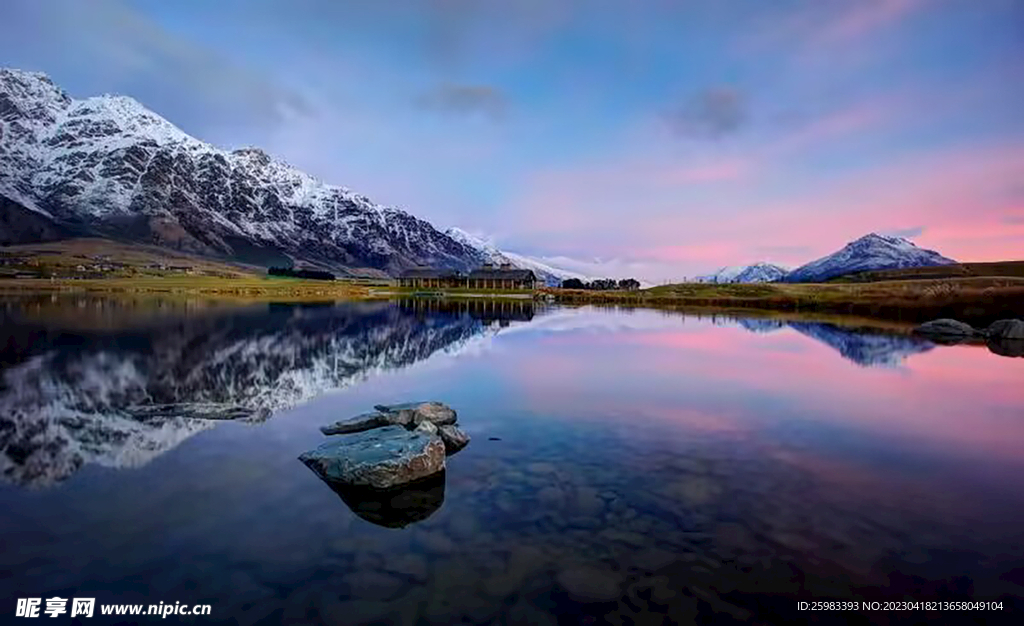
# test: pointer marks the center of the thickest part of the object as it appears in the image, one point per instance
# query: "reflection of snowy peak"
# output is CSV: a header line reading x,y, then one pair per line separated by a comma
x,y
870,252
109,166
120,400
550,275
864,348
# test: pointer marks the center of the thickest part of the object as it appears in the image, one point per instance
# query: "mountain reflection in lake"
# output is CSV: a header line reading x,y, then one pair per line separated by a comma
x,y
647,464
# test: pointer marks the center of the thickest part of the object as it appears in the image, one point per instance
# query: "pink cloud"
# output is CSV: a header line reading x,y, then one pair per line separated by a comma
x,y
818,27
859,19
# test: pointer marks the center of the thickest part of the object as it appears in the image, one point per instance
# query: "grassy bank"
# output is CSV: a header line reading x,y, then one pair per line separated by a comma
x,y
248,288
974,300
997,269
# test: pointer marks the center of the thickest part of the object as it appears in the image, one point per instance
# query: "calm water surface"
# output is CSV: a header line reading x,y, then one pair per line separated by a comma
x,y
626,467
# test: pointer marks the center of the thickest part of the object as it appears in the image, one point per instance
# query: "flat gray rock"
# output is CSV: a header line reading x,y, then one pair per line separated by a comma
x,y
381,458
413,413
356,424
945,328
453,437
1006,329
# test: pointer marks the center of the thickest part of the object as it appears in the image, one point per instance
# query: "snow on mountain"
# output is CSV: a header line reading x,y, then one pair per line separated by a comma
x,y
870,252
756,273
108,166
550,275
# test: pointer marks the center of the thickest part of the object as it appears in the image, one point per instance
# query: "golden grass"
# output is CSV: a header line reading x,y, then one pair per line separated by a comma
x,y
244,287
977,300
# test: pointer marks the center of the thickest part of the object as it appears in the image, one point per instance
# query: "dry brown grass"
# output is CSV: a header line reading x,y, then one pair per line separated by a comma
x,y
975,300
249,288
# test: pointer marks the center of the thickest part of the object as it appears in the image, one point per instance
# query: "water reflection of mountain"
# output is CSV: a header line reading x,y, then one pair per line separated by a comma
x,y
864,347
121,398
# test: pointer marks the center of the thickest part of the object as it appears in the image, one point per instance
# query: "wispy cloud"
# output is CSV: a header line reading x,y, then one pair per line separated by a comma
x,y
466,100
909,233
710,114
197,88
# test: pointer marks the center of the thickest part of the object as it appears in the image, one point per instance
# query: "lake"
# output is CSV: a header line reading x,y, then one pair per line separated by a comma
x,y
626,466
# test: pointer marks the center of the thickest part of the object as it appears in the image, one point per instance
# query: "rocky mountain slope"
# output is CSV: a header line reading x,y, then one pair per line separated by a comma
x,y
107,166
870,252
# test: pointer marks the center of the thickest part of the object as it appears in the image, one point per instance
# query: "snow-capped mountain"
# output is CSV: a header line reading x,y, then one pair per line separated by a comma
x,y
756,273
870,252
108,166
550,275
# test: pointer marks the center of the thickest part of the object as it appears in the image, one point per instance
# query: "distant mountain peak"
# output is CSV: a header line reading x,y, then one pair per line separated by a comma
x,y
760,272
868,253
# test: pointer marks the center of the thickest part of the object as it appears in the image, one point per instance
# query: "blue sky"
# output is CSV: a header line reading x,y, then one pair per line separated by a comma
x,y
658,139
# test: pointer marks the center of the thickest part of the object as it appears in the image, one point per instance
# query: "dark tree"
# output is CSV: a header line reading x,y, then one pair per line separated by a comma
x,y
629,284
288,271
573,283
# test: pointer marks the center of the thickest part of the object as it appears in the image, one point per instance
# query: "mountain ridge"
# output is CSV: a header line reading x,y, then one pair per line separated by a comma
x,y
868,253
108,166
760,272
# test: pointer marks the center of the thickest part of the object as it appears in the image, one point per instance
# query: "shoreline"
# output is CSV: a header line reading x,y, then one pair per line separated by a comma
x,y
978,300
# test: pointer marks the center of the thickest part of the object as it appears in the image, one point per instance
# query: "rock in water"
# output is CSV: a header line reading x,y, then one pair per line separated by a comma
x,y
382,458
398,507
454,439
416,412
945,328
1006,329
356,424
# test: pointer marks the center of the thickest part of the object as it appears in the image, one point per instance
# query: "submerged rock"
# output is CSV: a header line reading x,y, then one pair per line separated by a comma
x,y
453,437
946,328
382,458
588,584
356,424
416,412
1006,329
397,507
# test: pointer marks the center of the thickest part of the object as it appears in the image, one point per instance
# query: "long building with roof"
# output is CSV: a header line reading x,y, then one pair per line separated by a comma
x,y
489,277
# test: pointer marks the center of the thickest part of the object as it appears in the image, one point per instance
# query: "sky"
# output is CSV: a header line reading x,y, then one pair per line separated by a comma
x,y
658,139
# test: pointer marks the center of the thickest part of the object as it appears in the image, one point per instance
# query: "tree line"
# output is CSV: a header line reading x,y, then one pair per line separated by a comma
x,y
602,284
288,271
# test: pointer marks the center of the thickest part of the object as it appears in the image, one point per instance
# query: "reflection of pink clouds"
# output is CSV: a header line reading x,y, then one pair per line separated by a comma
x,y
957,398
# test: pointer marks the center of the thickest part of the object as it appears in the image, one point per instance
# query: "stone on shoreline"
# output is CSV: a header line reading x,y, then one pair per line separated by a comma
x,y
453,437
382,458
1006,329
945,328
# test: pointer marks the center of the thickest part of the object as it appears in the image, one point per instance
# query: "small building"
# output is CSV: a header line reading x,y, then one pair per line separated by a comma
x,y
503,277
